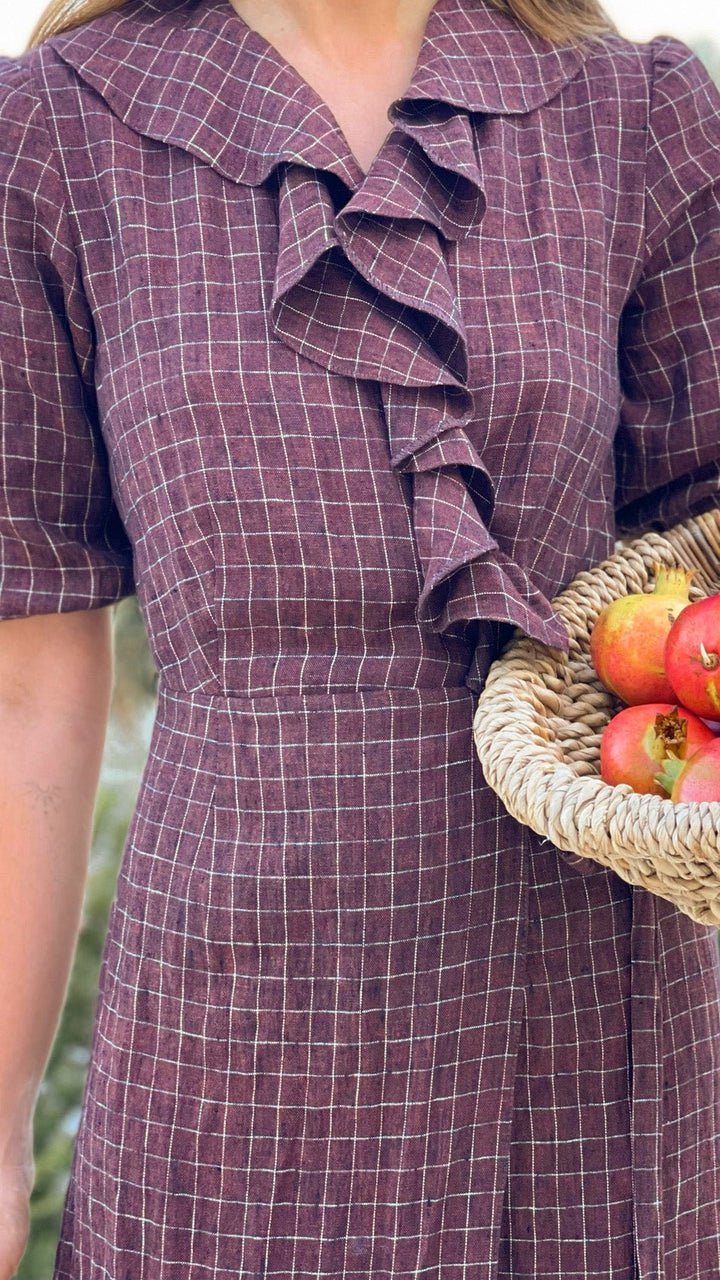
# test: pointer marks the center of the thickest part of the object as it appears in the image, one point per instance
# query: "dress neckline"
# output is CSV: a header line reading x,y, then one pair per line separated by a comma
x,y
195,75
310,90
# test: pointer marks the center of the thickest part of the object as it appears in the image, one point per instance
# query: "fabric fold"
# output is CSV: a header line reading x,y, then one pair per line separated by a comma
x,y
467,574
434,146
360,290
364,287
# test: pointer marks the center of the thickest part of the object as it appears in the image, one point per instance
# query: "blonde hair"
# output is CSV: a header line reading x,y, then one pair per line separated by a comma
x,y
559,21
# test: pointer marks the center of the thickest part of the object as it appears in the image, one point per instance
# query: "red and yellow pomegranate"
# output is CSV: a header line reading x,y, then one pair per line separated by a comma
x,y
639,740
627,642
692,657
697,778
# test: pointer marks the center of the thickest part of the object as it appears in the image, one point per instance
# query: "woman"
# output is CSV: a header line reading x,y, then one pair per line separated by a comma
x,y
346,334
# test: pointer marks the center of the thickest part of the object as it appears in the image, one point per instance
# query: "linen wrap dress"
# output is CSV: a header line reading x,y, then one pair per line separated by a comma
x,y
341,432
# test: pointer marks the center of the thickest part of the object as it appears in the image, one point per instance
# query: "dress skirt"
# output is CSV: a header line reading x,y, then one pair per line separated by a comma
x,y
355,1021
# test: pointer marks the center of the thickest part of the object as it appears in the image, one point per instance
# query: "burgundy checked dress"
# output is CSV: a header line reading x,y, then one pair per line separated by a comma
x,y
340,433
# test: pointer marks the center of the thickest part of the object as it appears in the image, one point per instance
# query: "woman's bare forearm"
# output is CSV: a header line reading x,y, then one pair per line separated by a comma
x,y
55,688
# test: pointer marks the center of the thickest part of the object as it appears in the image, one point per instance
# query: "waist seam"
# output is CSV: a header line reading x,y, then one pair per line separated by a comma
x,y
221,697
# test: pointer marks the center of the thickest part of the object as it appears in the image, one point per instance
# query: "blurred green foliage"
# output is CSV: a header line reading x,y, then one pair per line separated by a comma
x,y
709,52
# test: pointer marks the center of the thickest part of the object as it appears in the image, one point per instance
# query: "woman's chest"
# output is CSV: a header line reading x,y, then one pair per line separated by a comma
x,y
244,334
192,280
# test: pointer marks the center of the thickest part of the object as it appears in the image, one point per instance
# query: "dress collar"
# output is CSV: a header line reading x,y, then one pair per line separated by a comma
x,y
193,74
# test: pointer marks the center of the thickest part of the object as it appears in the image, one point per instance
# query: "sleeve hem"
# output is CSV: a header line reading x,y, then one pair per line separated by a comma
x,y
21,599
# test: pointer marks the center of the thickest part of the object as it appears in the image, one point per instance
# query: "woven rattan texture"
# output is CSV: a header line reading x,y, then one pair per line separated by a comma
x,y
540,719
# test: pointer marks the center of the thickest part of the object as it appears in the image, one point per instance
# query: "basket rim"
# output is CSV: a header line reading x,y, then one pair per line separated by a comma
x,y
670,847
502,677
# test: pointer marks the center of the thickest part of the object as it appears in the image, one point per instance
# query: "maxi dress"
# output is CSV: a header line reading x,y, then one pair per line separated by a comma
x,y
341,433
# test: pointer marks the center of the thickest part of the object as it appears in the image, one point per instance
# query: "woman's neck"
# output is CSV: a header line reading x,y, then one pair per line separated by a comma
x,y
340,29
358,55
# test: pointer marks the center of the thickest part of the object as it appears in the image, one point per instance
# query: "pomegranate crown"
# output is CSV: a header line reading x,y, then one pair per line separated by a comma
x,y
672,580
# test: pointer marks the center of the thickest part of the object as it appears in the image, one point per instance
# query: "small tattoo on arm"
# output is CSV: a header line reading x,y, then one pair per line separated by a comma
x,y
44,798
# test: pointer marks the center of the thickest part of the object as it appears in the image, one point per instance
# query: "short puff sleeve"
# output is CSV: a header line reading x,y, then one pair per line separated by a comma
x,y
63,545
667,446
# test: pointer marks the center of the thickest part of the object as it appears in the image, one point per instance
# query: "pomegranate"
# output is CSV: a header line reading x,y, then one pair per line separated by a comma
x,y
692,657
697,778
627,643
637,741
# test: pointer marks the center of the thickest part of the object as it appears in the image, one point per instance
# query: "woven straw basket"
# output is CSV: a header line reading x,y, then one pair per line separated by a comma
x,y
540,718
